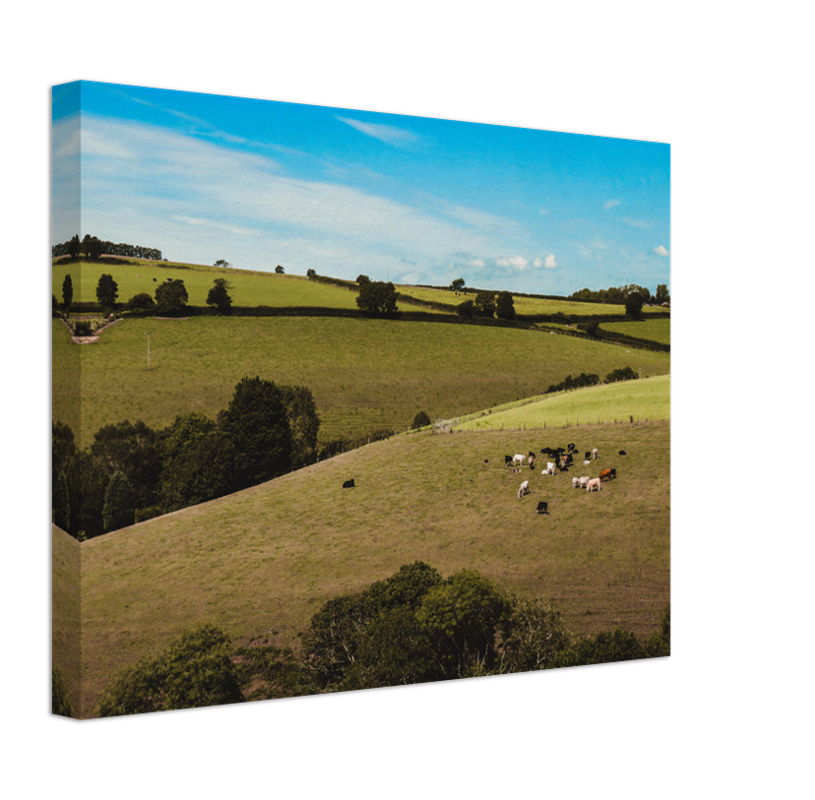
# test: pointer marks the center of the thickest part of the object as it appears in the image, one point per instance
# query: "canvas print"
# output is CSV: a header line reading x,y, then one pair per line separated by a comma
x,y
349,400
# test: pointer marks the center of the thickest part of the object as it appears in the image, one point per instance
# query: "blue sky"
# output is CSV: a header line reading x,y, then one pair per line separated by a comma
x,y
344,192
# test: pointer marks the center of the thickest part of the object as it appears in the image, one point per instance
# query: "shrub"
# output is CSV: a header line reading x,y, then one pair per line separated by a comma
x,y
195,671
466,309
141,302
420,420
171,297
82,327
504,306
625,374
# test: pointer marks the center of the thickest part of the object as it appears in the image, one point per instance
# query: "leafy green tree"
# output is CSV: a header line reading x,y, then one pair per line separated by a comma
x,y
92,247
134,449
633,305
218,296
257,422
377,299
93,481
61,504
311,273
107,290
54,303
279,270
406,587
141,302
171,298
485,304
67,293
662,295
195,671
73,246
462,617
457,285
304,423
466,309
420,420
532,636
363,279
659,645
603,648
221,263
505,306
119,509
60,694
204,470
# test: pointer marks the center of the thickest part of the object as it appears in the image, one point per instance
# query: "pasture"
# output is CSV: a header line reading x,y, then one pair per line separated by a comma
x,y
364,374
655,330
647,398
65,605
259,563
248,288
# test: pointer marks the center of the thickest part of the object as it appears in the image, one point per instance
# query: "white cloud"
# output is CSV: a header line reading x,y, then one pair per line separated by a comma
x,y
661,251
638,223
611,204
397,137
538,262
517,262
477,263
550,262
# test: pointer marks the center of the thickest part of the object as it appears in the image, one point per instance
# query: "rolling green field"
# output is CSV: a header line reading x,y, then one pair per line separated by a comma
x,y
259,563
364,374
655,330
65,606
648,398
248,289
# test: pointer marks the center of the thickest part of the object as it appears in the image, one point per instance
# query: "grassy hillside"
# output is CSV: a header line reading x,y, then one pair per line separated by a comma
x,y
656,330
364,374
261,562
649,398
248,289
65,609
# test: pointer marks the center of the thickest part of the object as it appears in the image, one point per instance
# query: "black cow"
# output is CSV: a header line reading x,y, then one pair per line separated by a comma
x,y
622,452
543,508
348,484
571,447
507,460
588,455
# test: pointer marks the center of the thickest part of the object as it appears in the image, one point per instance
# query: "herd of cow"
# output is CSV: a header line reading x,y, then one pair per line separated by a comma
x,y
564,458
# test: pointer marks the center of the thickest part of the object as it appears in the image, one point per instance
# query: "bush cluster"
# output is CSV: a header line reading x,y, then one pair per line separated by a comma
x,y
569,382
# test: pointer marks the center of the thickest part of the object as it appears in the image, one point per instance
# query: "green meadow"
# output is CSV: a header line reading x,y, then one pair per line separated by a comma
x,y
248,288
364,374
261,562
649,398
655,330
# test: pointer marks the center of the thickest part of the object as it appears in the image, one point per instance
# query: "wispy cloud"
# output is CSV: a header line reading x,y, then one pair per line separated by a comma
x,y
638,223
611,204
516,262
397,137
661,251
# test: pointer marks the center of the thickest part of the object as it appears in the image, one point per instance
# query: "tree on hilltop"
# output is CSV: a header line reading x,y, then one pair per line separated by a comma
x,y
218,296
171,298
221,263
377,299
457,285
279,270
485,304
633,305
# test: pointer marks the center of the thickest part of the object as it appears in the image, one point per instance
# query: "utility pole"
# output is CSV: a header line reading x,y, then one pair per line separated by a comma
x,y
148,335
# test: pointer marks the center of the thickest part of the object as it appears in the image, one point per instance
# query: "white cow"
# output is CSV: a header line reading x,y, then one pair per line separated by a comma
x,y
575,483
523,489
550,468
593,484
518,458
586,463
584,480
595,453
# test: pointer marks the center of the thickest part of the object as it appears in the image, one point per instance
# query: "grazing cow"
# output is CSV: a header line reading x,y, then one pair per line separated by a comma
x,y
524,488
595,454
584,481
575,483
593,484
543,508
507,460
622,452
518,458
571,447
588,455
550,469
608,474
569,460
348,484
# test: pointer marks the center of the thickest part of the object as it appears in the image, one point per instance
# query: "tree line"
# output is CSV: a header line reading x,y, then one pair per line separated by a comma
x,y
132,472
413,627
93,248
617,295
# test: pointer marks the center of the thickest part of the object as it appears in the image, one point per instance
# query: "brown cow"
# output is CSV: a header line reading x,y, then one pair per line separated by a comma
x,y
608,474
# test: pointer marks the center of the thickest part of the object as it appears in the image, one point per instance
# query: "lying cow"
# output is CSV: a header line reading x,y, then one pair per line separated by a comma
x,y
550,468
543,508
524,488
622,452
348,484
608,474
593,484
